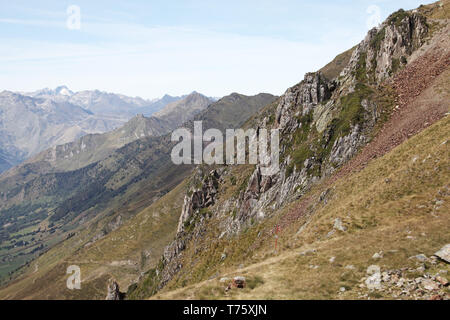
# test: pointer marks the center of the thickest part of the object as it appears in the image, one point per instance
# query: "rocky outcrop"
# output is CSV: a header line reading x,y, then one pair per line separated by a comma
x,y
251,194
313,90
345,147
114,292
388,47
397,38
197,199
190,222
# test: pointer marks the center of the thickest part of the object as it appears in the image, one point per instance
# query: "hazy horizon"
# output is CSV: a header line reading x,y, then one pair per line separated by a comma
x,y
152,49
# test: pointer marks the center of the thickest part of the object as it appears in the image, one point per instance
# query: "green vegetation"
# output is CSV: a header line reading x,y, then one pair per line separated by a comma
x,y
352,112
299,145
146,289
307,143
254,282
378,39
397,17
395,66
360,73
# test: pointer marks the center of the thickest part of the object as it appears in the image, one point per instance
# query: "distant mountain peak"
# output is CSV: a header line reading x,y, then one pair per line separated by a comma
x,y
182,110
63,90
137,118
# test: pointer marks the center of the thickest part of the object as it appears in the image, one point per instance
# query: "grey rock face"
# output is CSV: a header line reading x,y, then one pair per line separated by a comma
x,y
400,39
314,89
251,194
114,292
444,253
385,47
345,147
199,199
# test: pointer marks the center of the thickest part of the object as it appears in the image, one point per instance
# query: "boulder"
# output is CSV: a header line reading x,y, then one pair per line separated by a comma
x,y
374,282
338,225
429,285
239,282
114,292
419,257
442,280
444,253
377,255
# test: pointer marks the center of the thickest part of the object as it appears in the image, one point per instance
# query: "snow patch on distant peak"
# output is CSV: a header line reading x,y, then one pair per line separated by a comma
x,y
63,90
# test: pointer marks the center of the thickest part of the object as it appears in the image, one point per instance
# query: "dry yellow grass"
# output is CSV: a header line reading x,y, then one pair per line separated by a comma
x,y
390,206
149,231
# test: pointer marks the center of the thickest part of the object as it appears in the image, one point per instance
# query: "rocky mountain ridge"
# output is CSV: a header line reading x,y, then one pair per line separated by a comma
x,y
105,103
178,112
32,122
95,147
29,125
323,122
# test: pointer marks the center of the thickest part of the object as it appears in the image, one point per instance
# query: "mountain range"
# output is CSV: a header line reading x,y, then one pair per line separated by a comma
x,y
33,122
358,210
84,183
100,102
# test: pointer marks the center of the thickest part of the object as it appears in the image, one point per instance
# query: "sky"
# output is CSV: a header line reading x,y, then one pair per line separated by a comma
x,y
151,48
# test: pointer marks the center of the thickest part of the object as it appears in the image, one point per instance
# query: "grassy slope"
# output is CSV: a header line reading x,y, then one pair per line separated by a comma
x,y
136,198
335,67
436,10
379,215
122,254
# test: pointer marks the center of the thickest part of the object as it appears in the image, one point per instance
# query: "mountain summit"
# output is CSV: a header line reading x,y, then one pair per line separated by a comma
x,y
182,110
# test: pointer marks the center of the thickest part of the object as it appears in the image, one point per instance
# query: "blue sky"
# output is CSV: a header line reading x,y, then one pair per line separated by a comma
x,y
149,48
